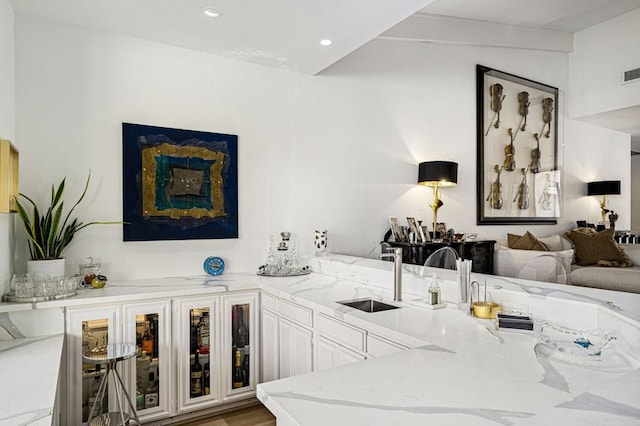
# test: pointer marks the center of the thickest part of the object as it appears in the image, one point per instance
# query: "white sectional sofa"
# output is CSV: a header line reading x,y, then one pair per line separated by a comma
x,y
512,262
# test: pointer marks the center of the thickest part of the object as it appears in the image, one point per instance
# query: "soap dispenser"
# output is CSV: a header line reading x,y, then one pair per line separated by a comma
x,y
433,297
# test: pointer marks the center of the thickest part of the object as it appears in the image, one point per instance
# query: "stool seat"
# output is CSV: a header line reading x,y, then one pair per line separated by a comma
x,y
113,352
111,355
109,419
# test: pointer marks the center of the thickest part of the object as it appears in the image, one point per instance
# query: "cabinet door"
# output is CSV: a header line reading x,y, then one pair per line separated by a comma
x,y
240,345
88,329
148,324
331,354
296,349
270,358
197,340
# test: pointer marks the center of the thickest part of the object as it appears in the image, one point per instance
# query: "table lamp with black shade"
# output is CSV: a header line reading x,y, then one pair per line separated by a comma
x,y
604,188
437,174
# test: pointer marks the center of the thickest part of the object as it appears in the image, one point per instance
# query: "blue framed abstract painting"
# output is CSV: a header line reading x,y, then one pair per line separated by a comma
x,y
178,184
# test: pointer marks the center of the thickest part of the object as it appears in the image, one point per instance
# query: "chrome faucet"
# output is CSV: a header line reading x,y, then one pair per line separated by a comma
x,y
397,272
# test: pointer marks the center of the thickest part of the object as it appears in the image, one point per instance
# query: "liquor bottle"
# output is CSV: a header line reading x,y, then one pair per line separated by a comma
x,y
196,376
142,371
204,333
154,334
138,343
242,333
207,378
147,339
245,365
151,395
193,335
238,377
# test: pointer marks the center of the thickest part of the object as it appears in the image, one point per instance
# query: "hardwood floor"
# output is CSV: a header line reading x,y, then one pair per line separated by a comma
x,y
255,415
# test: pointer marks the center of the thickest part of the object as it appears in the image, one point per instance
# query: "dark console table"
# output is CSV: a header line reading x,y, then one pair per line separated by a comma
x,y
479,252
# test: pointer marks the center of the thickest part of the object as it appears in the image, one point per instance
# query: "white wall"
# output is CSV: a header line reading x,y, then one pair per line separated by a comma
x,y
7,131
635,193
601,53
337,151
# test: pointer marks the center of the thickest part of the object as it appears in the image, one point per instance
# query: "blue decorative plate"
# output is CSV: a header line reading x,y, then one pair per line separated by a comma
x,y
214,265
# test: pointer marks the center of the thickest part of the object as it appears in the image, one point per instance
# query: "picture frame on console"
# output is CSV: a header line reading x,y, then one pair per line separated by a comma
x,y
519,164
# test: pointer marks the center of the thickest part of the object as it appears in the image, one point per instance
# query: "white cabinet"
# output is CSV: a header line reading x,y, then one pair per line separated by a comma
x,y
332,354
239,364
151,376
296,348
337,343
87,329
197,356
270,350
201,352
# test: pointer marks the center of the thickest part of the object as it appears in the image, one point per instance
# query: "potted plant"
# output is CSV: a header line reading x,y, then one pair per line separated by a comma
x,y
49,232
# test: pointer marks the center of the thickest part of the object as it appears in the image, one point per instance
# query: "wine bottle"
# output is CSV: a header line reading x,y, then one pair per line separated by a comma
x,y
196,376
207,378
204,333
154,335
193,339
147,339
238,377
245,365
242,333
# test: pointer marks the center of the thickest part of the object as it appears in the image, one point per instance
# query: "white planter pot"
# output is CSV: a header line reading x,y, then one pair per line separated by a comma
x,y
52,268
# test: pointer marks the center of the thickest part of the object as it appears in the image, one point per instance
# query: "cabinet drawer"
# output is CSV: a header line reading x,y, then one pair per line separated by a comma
x,y
296,313
378,346
341,332
269,301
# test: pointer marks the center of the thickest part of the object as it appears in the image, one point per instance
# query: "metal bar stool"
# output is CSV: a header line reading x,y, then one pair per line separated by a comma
x,y
110,356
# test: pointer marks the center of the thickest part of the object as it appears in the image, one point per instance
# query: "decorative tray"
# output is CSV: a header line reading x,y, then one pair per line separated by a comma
x,y
11,297
264,273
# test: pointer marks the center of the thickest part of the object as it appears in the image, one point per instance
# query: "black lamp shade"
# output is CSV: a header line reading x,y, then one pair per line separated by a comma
x,y
604,187
442,173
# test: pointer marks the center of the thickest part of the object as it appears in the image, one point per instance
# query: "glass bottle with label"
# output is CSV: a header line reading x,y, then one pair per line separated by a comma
x,y
196,376
204,333
147,339
238,377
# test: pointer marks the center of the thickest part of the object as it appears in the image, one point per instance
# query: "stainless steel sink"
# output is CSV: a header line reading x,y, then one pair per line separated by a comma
x,y
368,305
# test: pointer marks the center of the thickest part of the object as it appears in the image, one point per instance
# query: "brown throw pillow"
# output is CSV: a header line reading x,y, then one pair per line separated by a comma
x,y
525,242
598,248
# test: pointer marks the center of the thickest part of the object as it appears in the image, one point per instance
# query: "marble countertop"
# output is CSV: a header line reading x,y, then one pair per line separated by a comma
x,y
464,371
29,370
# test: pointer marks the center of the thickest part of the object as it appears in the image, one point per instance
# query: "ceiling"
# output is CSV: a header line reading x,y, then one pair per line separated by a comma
x,y
287,33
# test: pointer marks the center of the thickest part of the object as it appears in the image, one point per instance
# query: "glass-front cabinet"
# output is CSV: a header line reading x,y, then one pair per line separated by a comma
x,y
240,325
148,324
88,329
199,352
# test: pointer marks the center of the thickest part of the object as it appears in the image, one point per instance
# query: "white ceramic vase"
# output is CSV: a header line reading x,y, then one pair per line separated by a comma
x,y
52,268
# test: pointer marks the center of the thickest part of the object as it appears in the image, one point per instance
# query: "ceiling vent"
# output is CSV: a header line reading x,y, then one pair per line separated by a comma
x,y
631,75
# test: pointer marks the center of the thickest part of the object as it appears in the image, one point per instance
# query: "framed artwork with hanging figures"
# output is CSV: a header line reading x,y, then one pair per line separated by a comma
x,y
519,162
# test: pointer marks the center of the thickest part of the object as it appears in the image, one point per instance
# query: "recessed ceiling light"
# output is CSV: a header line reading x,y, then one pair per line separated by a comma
x,y
326,42
211,12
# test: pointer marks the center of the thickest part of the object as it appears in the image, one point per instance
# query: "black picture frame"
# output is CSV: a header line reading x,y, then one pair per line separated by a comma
x,y
517,165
